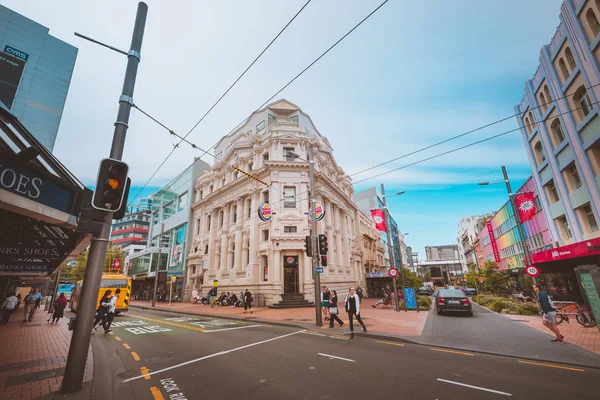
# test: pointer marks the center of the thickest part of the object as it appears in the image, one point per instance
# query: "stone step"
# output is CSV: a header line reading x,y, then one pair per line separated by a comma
x,y
292,305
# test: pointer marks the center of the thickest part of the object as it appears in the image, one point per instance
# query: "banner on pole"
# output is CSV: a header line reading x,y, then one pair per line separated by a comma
x,y
525,205
379,219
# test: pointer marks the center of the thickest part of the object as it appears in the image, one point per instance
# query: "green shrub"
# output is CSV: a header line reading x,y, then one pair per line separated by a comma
x,y
499,305
424,301
527,309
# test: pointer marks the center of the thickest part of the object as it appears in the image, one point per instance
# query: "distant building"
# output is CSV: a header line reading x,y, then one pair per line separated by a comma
x,y
468,229
35,73
131,229
442,262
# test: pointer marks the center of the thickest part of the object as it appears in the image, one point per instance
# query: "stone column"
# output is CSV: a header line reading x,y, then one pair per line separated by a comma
x,y
212,236
338,239
254,240
329,222
276,270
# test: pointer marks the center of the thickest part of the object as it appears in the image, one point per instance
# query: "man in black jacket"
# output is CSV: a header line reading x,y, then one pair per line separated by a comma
x,y
548,312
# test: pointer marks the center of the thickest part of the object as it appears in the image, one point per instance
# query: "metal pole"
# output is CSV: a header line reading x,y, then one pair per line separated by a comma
x,y
390,249
80,342
170,292
314,235
162,231
511,196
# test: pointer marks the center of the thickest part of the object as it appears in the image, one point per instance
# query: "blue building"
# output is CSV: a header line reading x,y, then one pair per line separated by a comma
x,y
35,73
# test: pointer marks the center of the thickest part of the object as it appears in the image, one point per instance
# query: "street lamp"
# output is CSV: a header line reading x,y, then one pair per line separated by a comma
x,y
511,197
389,240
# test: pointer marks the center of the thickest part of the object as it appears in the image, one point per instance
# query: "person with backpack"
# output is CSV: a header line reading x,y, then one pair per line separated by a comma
x,y
248,301
548,312
31,301
59,307
111,305
102,311
8,307
359,292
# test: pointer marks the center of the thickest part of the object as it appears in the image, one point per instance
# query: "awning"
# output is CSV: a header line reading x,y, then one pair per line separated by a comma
x,y
579,249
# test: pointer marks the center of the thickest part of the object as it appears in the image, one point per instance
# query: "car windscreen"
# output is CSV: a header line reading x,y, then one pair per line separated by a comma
x,y
114,283
451,293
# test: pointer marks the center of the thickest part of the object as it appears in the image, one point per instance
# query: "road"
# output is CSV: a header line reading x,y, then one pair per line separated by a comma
x,y
154,355
492,332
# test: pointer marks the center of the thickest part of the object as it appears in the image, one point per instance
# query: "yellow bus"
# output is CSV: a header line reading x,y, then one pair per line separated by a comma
x,y
109,281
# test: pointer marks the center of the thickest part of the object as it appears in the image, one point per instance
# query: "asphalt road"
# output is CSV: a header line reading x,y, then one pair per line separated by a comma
x,y
492,332
154,355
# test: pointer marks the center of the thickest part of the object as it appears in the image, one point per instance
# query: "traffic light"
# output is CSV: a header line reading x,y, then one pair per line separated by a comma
x,y
324,261
110,186
308,246
323,245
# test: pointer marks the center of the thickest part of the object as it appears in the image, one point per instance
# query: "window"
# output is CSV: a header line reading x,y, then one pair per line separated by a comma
x,y
285,154
543,102
260,126
205,248
271,118
594,155
182,201
573,176
592,21
540,155
234,214
223,182
201,194
547,93
563,69
221,218
294,118
551,192
168,210
266,196
582,100
232,257
210,189
558,136
235,175
538,204
570,59
289,197
590,218
528,125
250,165
563,225
265,235
197,226
208,223
290,229
249,206
266,156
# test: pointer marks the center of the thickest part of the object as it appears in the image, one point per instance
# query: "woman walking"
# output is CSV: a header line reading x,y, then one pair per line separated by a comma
x,y
9,305
102,311
59,307
333,310
352,304
112,306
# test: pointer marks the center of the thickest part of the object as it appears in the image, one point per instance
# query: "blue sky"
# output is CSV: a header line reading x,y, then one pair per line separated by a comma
x,y
415,73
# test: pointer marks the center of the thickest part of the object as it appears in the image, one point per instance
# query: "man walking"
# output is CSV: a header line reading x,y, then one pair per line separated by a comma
x,y
548,312
213,296
352,305
30,304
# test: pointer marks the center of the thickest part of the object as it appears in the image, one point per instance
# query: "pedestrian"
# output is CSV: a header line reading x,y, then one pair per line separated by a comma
x,y
9,305
333,310
248,301
30,304
548,312
213,296
352,305
102,311
359,292
110,315
325,297
59,307
194,296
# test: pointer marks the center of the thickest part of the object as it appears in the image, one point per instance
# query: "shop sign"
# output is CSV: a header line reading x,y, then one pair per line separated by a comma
x,y
493,241
24,267
27,251
319,211
17,53
580,249
265,212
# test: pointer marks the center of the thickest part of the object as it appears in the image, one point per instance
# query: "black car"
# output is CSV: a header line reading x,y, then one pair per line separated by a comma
x,y
425,291
448,300
471,291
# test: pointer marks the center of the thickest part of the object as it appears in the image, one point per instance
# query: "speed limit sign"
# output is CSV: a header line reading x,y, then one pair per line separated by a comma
x,y
532,270
393,272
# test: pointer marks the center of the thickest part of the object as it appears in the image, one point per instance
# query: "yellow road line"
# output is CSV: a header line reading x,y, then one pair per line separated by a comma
x,y
118,338
156,393
158,321
144,371
126,346
390,343
135,356
451,351
552,366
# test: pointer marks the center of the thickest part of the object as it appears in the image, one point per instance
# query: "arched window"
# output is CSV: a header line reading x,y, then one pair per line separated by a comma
x,y
539,152
528,124
582,100
547,93
592,21
543,101
570,58
563,68
557,131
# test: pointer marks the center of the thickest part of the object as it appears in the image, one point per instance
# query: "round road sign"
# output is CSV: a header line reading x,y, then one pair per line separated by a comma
x,y
532,270
393,272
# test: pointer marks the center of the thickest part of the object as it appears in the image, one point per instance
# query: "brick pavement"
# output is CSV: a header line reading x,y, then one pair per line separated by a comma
x,y
384,321
574,333
33,356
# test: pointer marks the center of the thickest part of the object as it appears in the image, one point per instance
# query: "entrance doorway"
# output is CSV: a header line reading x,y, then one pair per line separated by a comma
x,y
290,274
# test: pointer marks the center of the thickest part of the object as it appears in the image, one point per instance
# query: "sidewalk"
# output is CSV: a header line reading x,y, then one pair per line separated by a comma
x,y
380,321
574,333
33,356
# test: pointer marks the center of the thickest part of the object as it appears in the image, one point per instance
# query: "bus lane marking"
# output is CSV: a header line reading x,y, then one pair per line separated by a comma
x,y
192,328
169,386
156,393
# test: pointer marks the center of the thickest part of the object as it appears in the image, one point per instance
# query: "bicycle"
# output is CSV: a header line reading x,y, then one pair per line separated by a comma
x,y
572,308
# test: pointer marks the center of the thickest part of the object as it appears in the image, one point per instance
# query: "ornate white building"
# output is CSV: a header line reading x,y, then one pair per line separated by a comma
x,y
233,245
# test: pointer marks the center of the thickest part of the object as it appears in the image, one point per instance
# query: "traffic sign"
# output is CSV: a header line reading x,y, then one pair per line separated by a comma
x,y
319,270
532,270
393,272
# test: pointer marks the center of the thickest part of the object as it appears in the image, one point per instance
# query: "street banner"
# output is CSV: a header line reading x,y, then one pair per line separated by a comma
x,y
410,298
526,205
379,219
493,241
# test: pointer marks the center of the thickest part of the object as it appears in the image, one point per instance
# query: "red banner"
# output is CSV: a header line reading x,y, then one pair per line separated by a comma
x,y
379,219
525,205
493,241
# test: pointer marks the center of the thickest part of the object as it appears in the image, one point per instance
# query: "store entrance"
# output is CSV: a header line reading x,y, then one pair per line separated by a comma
x,y
290,274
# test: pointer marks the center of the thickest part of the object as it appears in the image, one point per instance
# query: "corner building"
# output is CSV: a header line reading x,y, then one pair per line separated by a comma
x,y
235,247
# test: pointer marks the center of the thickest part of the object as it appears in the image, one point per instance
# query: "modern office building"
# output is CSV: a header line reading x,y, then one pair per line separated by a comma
x,y
131,229
251,235
170,215
35,73
560,125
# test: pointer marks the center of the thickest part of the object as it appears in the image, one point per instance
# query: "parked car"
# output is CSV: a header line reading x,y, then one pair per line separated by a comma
x,y
471,291
453,301
425,291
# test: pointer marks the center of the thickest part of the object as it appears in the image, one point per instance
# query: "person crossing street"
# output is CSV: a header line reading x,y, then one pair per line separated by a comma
x,y
352,305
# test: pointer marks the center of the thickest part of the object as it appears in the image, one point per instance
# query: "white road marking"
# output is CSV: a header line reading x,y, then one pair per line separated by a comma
x,y
475,387
221,353
336,357
230,329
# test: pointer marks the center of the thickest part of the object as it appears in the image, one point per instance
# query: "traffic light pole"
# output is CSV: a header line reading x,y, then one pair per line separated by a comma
x,y
80,342
390,247
314,237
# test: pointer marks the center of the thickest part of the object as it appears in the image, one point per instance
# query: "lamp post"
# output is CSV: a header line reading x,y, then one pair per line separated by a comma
x,y
390,248
513,203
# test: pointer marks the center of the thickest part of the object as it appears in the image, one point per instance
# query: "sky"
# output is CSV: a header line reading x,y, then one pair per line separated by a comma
x,y
414,74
